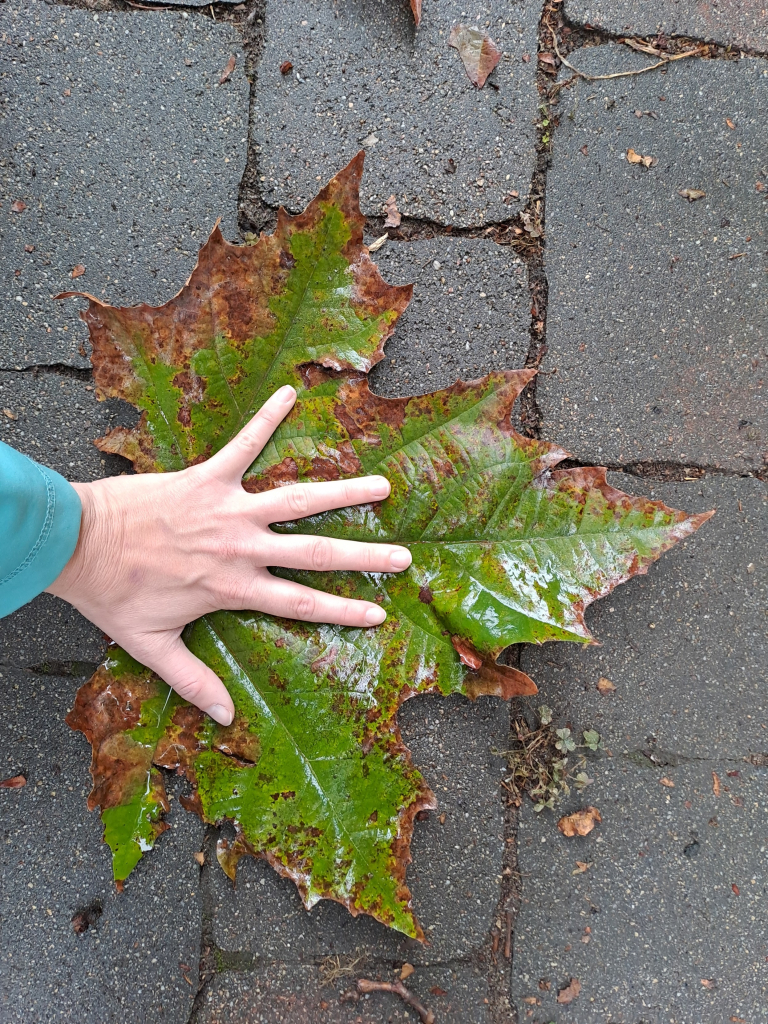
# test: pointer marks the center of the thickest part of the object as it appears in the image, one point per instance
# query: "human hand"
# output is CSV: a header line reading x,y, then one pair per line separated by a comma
x,y
157,551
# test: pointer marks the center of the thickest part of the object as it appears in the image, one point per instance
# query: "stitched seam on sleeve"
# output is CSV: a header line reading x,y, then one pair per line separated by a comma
x,y
50,493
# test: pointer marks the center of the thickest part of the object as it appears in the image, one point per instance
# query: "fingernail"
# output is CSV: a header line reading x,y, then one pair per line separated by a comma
x,y
374,616
379,487
400,558
220,714
286,393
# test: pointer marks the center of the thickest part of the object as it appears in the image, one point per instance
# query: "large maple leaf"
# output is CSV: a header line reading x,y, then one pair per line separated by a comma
x,y
313,771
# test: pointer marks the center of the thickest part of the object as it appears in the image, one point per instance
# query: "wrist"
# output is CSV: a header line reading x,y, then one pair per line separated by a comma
x,y
87,571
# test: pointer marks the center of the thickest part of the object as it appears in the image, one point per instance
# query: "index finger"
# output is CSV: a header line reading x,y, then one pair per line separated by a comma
x,y
299,500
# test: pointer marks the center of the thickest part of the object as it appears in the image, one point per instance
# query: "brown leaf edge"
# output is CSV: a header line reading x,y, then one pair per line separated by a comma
x,y
211,302
416,8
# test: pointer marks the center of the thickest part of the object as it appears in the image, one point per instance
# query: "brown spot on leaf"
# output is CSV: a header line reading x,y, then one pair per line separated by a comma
x,y
426,596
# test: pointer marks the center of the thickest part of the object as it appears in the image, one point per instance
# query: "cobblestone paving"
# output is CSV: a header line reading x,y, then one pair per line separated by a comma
x,y
646,313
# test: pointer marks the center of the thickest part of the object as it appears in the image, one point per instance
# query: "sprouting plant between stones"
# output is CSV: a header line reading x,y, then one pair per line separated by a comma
x,y
506,549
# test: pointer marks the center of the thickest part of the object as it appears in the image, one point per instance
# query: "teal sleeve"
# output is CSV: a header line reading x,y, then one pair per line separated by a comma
x,y
39,526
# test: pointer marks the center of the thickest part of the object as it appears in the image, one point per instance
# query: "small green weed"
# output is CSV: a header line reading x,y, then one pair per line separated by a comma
x,y
540,761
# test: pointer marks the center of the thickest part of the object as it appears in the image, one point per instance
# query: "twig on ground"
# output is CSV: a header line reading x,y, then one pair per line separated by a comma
x,y
623,74
365,986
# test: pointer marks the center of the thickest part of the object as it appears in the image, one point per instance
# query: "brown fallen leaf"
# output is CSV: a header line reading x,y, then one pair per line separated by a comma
x,y
286,67
731,125
582,866
715,783
532,1000
580,823
636,158
437,991
416,8
225,74
735,888
708,983
78,270
526,58
605,686
393,214
199,857
19,206
479,54
666,781
548,59
406,971
691,194
545,985
15,781
569,992
584,150
10,414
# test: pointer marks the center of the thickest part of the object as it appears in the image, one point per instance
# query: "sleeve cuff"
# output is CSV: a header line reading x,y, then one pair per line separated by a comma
x,y
53,548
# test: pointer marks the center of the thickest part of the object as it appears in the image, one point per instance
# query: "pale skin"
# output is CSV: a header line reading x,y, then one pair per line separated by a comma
x,y
158,551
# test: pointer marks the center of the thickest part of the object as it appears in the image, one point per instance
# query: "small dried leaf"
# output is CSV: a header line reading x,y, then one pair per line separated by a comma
x,y
569,992
735,889
78,270
547,58
286,67
545,985
16,781
667,782
199,857
479,54
437,991
10,414
406,971
580,823
708,983
19,206
381,240
532,1000
582,866
228,69
416,8
633,157
715,783
691,194
393,217
605,686
731,125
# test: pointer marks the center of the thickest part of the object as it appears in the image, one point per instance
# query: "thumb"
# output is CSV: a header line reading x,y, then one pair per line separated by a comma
x,y
192,680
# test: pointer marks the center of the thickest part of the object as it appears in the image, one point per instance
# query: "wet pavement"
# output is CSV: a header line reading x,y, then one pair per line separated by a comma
x,y
125,147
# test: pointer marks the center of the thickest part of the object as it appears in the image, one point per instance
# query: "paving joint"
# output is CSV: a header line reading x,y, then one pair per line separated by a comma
x,y
573,36
667,471
58,369
213,11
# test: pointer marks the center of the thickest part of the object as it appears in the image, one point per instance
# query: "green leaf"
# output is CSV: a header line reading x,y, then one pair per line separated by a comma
x,y
506,549
591,739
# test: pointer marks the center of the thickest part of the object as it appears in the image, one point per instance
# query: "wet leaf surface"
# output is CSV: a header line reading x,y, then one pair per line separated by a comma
x,y
479,54
506,549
